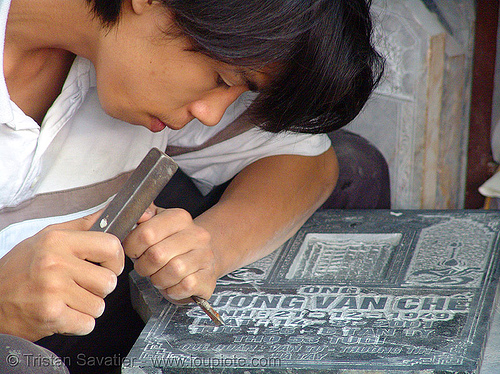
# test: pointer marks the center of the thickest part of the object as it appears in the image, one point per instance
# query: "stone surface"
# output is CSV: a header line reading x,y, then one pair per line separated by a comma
x,y
353,292
419,115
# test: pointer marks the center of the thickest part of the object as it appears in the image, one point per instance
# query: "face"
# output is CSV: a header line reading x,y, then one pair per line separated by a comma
x,y
147,78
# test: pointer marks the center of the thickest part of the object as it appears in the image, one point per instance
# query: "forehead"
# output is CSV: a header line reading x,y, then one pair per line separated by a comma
x,y
167,34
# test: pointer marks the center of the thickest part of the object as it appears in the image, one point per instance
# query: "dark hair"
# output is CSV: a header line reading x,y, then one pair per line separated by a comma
x,y
328,66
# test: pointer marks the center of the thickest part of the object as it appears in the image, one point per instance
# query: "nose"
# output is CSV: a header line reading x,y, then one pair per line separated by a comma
x,y
211,107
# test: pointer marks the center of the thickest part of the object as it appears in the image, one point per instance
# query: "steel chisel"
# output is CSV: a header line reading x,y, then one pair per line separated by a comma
x,y
138,192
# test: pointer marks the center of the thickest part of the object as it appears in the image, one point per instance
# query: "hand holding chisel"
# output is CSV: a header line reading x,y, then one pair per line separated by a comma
x,y
139,191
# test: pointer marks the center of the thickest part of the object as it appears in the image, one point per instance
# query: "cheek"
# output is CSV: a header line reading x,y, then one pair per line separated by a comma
x,y
111,97
151,86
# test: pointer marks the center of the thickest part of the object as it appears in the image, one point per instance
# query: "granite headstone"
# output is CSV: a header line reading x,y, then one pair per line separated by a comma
x,y
351,292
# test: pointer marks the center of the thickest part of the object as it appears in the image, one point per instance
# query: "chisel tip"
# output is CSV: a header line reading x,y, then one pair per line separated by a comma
x,y
207,308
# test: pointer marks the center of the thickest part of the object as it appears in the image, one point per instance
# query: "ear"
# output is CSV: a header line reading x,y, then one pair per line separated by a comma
x,y
139,6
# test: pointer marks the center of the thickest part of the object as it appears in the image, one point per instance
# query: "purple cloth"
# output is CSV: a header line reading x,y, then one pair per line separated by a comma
x,y
364,175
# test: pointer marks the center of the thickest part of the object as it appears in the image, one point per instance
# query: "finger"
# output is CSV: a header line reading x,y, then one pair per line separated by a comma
x,y
194,284
55,316
80,224
165,294
96,247
75,323
161,226
57,292
83,301
159,255
181,267
96,279
150,212
111,257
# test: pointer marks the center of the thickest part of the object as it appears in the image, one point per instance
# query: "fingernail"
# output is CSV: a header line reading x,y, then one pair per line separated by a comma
x,y
151,211
101,312
112,284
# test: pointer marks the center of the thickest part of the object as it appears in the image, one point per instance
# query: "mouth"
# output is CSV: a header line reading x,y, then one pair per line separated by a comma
x,y
157,125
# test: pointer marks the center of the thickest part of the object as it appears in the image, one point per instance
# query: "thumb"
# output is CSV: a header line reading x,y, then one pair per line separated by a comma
x,y
150,212
81,224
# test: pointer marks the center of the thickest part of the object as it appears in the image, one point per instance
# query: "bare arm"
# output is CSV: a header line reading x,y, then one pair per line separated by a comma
x,y
262,207
265,205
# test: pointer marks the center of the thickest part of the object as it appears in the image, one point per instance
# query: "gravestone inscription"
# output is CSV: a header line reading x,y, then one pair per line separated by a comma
x,y
351,292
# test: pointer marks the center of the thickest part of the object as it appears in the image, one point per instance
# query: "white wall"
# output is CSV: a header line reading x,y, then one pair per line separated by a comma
x,y
418,117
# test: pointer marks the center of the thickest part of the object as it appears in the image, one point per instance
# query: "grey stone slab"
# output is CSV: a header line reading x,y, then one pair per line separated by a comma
x,y
351,292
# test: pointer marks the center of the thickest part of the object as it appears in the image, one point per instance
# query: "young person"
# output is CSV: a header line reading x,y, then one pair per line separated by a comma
x,y
234,90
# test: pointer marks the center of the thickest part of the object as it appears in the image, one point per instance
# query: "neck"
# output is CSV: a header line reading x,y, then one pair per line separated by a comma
x,y
41,40
37,25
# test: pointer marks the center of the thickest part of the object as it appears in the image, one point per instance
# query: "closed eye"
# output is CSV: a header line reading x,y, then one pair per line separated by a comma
x,y
221,82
